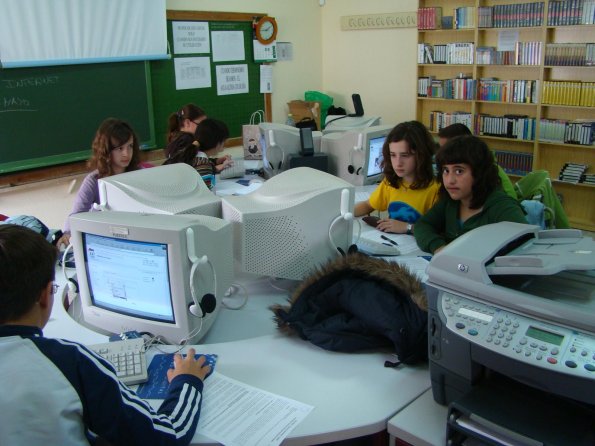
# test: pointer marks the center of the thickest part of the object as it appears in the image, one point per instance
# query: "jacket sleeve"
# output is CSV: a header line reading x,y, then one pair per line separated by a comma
x,y
429,229
508,210
114,412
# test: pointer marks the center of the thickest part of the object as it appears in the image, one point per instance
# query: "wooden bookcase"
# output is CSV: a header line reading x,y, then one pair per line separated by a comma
x,y
578,199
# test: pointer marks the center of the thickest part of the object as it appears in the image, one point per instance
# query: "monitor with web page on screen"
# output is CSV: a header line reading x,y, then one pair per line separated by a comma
x,y
294,223
163,275
169,189
356,155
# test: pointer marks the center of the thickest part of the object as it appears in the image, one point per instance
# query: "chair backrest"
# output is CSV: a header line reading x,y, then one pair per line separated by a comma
x,y
537,185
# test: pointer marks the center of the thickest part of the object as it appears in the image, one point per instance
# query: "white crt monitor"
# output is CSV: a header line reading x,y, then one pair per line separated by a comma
x,y
160,274
295,222
170,189
281,142
356,155
343,123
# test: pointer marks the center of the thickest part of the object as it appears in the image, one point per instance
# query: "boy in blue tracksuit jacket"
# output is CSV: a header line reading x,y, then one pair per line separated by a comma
x,y
57,392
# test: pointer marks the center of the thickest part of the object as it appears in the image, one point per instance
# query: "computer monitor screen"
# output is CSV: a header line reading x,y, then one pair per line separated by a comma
x,y
294,223
356,155
151,273
170,189
129,277
375,156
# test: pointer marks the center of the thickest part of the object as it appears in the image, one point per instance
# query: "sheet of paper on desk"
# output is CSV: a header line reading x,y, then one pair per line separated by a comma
x,y
406,243
416,264
234,188
236,414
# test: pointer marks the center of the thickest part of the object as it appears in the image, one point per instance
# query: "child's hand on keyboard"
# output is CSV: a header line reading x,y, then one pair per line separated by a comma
x,y
189,366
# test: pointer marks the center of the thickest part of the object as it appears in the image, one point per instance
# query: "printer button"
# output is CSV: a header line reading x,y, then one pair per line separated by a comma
x,y
518,349
572,349
584,353
552,360
542,348
507,322
555,351
533,344
473,332
590,367
539,357
515,325
528,353
513,331
523,341
506,344
570,364
497,341
509,338
489,339
460,325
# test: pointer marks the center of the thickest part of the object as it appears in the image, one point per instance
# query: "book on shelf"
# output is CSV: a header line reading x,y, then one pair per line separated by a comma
x,y
429,17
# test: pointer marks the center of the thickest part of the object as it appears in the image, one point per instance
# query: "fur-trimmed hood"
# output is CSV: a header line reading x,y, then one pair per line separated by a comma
x,y
358,302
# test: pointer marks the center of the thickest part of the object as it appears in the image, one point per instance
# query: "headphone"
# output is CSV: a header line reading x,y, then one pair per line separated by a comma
x,y
274,170
208,301
351,168
345,215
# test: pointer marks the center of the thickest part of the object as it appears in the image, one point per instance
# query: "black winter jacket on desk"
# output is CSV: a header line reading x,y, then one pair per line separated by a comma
x,y
358,303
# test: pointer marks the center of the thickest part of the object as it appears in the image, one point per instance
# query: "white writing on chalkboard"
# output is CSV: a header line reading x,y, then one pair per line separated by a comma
x,y
30,82
13,104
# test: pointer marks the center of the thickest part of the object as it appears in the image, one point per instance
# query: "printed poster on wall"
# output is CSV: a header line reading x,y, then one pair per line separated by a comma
x,y
232,79
192,72
191,37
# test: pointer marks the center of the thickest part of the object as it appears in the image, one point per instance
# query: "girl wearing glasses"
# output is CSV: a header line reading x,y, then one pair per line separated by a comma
x,y
181,127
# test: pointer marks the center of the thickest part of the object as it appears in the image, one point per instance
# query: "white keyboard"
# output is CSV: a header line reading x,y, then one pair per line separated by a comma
x,y
128,358
376,248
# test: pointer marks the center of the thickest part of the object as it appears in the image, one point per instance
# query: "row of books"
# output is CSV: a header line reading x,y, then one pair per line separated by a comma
x,y
509,90
524,53
458,88
519,127
576,173
450,53
510,16
429,18
439,119
570,54
514,163
571,12
580,132
574,93
464,17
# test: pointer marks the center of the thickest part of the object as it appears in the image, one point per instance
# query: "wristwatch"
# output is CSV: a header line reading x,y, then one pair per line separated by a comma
x,y
409,228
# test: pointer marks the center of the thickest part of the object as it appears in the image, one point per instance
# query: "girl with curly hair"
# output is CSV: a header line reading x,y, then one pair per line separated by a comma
x,y
115,150
408,189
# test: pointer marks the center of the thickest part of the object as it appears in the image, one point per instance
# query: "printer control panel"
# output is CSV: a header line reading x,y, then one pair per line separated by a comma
x,y
519,337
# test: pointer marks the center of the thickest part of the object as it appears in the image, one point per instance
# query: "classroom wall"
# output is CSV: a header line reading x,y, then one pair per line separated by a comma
x,y
299,23
379,64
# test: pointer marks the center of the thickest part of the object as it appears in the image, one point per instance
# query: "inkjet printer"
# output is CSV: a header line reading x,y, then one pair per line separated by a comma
x,y
511,333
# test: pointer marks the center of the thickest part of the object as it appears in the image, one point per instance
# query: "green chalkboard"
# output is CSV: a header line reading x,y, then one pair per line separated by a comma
x,y
234,109
49,115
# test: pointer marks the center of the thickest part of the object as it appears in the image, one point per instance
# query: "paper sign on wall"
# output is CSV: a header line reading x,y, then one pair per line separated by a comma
x,y
192,72
191,37
232,79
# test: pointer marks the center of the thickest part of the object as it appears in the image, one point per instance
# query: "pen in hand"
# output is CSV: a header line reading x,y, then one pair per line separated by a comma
x,y
391,241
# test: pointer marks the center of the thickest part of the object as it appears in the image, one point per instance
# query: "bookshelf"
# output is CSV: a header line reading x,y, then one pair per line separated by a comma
x,y
504,100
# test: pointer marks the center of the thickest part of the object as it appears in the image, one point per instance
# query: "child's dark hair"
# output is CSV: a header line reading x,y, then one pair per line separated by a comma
x,y
453,130
472,151
420,143
27,263
174,122
111,134
210,133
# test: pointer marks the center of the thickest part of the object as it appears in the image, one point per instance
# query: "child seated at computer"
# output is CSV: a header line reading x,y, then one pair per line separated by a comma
x,y
64,393
115,149
459,129
201,150
409,188
471,195
181,126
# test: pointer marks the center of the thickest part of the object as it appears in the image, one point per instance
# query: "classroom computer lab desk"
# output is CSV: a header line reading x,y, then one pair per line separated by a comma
x,y
353,394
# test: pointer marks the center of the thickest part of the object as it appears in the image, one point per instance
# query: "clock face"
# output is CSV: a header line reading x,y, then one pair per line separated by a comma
x,y
266,30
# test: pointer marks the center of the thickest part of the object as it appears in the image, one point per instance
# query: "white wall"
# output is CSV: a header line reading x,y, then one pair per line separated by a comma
x,y
379,64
